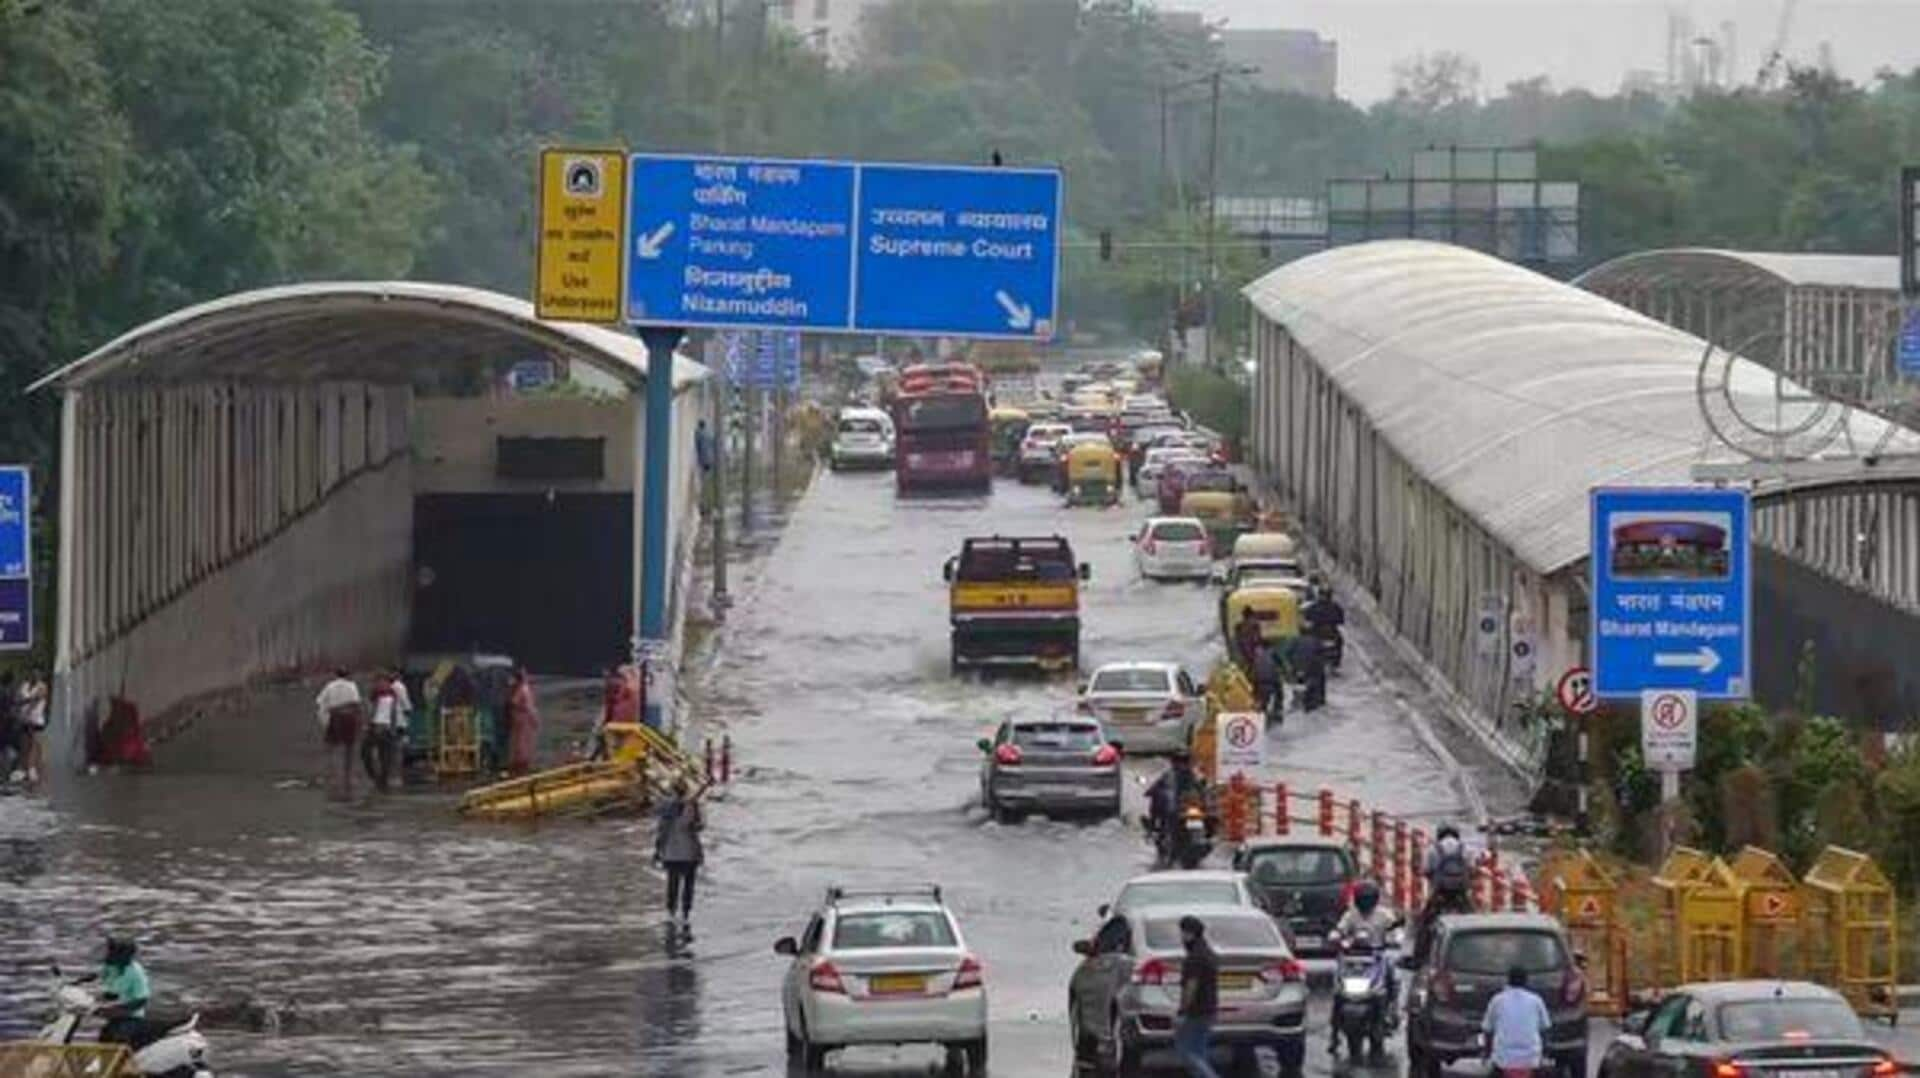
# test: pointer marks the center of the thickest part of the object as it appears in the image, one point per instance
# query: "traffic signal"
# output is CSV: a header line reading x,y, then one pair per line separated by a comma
x,y
1106,245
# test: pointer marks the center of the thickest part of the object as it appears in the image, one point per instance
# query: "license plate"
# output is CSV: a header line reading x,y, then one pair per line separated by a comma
x,y
1129,715
1307,941
896,984
1236,982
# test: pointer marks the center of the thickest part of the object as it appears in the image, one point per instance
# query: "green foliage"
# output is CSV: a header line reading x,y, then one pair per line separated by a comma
x,y
1213,400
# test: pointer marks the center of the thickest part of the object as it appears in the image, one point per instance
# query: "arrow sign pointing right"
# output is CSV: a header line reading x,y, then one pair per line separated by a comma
x,y
1019,315
1706,660
648,246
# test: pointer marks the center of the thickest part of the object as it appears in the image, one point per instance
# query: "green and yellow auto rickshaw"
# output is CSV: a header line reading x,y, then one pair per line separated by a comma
x,y
1009,427
1093,474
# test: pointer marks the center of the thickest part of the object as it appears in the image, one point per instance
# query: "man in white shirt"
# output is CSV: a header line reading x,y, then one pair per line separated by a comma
x,y
1516,1026
338,708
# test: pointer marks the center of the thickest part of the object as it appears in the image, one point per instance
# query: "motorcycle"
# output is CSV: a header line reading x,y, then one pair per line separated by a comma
x,y
1364,1010
159,1050
1184,841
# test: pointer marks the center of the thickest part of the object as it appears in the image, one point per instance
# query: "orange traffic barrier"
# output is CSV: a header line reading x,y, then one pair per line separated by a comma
x,y
1235,809
1416,878
1381,865
1353,826
1400,866
1326,813
1281,824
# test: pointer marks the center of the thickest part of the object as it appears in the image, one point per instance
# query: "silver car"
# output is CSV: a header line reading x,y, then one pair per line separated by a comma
x,y
1123,1001
1055,766
1184,887
1145,706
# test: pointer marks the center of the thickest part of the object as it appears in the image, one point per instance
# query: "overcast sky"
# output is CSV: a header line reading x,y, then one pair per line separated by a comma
x,y
1588,43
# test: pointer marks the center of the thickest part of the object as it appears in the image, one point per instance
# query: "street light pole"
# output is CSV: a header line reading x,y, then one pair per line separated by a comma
x,y
1213,201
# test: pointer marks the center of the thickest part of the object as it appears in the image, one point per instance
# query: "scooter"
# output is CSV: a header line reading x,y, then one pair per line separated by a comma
x,y
1364,1010
178,1051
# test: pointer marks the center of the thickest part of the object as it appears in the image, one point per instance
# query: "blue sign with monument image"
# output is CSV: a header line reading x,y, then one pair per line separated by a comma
x,y
837,246
1672,582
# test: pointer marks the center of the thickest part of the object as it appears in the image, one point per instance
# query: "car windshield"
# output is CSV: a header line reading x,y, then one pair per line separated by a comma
x,y
1177,892
1007,559
1223,931
1179,531
1058,736
1789,1019
1223,481
861,426
1298,866
1496,952
1134,680
892,928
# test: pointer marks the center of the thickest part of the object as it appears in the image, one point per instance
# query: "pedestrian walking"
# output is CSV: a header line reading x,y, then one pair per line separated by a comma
x,y
676,845
376,749
1199,1000
10,758
339,709
1311,669
1268,691
32,711
523,719
1516,1025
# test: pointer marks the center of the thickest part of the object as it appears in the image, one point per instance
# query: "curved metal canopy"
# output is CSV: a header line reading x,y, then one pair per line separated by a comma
x,y
1715,268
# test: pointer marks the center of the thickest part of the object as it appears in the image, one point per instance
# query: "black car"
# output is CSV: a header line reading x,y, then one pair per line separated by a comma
x,y
1305,881
1472,953
1738,1029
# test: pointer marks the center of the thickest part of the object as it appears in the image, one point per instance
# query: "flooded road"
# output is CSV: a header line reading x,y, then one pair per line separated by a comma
x,y
393,939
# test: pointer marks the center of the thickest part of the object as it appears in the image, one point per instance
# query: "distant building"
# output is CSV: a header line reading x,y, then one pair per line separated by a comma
x,y
1292,61
827,26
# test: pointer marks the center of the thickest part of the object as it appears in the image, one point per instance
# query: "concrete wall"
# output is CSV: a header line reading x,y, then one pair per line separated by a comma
x,y
1866,653
454,440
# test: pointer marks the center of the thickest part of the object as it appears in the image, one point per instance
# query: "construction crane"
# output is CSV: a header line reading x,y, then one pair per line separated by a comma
x,y
1776,54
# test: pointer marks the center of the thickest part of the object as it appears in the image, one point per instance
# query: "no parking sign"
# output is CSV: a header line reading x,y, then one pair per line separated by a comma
x,y
1240,743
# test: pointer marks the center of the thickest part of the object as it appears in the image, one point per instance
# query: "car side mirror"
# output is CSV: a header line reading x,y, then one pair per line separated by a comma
x,y
1083,948
1104,909
786,945
946,571
1086,571
985,745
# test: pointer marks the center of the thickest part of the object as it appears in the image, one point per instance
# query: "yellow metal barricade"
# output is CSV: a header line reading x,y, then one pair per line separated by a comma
x,y
24,1059
1575,887
458,754
1770,908
1851,930
1700,913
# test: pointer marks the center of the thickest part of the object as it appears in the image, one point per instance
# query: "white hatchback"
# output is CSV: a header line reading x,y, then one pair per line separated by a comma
x,y
1159,457
1170,548
863,438
884,967
1146,706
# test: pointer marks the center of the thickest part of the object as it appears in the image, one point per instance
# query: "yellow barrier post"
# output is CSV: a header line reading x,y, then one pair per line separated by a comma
x,y
1851,911
1701,910
31,1059
1584,895
1770,909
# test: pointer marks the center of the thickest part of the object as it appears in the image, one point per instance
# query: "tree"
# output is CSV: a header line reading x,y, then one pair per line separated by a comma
x,y
1428,84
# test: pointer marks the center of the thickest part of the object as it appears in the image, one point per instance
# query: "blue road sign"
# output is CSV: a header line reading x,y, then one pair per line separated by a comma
x,y
763,360
16,558
1672,588
843,247
1910,344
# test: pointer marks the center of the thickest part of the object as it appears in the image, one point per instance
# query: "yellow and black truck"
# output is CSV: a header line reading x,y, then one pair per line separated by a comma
x,y
1015,602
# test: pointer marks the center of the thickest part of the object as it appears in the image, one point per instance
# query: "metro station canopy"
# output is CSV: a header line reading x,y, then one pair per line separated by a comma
x,y
375,331
1705,267
1512,393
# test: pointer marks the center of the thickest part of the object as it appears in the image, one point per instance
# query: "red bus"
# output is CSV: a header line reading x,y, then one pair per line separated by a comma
x,y
942,438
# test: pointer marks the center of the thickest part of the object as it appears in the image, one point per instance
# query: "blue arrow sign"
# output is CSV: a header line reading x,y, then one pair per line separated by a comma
x,y
1672,588
16,558
1909,348
841,246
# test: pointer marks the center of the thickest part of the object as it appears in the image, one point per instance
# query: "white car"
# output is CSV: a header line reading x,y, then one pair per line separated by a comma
x,y
1170,548
863,439
883,967
1146,706
1183,887
1036,448
1158,458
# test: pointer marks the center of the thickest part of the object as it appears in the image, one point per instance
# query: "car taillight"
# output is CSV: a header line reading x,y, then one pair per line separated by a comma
x,y
1175,709
1885,1068
825,978
1106,756
969,975
1156,972
1007,755
1574,988
1149,545
1442,988
1726,1068
1287,970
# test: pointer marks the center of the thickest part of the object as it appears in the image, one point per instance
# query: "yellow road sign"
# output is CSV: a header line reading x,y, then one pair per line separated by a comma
x,y
583,218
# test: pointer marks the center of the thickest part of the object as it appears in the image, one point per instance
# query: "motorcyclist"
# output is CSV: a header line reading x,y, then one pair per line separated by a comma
x,y
1325,617
124,992
1449,874
1310,668
1268,690
1171,790
1367,924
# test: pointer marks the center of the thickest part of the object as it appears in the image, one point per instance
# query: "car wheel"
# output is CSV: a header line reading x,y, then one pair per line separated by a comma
x,y
793,1043
812,1056
1123,1057
976,1053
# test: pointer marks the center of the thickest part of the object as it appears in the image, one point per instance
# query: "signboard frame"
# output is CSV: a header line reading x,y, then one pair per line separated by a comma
x,y
1614,678
844,290
16,557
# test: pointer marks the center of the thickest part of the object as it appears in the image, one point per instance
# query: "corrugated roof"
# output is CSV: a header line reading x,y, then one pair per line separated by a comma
x,y
1513,393
347,329
1713,266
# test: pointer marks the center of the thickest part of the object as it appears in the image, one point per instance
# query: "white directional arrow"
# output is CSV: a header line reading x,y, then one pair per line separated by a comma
x,y
1706,660
648,246
1019,315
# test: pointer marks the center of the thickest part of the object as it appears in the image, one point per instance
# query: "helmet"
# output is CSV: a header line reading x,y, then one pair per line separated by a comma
x,y
1366,896
1447,830
1181,758
120,949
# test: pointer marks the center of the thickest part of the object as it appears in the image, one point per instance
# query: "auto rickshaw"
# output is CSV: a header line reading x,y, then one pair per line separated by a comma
x,y
1271,549
1093,474
1219,510
1276,608
1009,427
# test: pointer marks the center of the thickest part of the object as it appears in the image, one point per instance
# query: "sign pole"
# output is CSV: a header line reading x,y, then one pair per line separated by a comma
x,y
779,437
718,476
655,534
749,415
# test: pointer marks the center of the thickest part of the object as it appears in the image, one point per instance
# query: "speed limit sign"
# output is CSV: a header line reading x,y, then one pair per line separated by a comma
x,y
1575,691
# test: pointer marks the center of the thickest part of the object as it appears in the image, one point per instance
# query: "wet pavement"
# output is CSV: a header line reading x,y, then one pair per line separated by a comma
x,y
389,938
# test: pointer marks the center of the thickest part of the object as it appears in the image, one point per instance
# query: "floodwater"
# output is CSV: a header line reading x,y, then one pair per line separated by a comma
x,y
387,937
